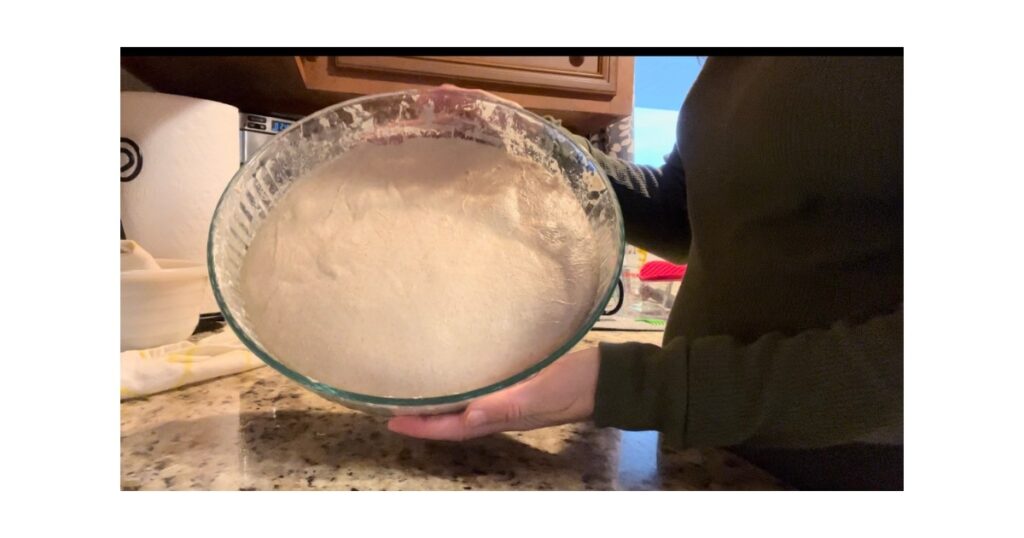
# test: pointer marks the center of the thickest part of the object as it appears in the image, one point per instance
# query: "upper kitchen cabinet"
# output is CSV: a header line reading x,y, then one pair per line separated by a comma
x,y
585,92
591,77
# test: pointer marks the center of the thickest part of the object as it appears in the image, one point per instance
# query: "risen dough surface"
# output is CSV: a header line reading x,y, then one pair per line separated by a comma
x,y
426,268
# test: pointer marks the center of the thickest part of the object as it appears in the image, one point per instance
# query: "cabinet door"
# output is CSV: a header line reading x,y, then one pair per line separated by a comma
x,y
585,92
583,76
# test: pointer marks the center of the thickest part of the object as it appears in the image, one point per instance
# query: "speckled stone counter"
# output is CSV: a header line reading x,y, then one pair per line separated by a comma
x,y
260,431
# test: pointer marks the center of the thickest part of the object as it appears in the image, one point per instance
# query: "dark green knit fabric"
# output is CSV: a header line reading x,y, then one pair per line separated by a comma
x,y
785,197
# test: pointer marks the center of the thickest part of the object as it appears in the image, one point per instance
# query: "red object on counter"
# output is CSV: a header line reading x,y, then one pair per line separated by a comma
x,y
661,271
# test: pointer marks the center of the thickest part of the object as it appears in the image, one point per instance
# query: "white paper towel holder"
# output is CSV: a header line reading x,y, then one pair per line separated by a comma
x,y
177,155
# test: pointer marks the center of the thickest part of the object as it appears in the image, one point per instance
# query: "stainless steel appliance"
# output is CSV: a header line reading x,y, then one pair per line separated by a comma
x,y
255,130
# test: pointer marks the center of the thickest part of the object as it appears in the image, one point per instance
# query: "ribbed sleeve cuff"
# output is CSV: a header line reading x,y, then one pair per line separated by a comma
x,y
633,391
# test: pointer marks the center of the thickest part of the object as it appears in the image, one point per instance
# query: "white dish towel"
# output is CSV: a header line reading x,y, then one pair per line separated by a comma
x,y
148,371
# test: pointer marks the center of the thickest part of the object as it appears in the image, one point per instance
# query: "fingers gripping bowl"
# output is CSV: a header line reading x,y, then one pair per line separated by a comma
x,y
510,235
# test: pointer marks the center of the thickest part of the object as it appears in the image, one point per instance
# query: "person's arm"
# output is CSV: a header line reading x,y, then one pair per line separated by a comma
x,y
813,389
653,200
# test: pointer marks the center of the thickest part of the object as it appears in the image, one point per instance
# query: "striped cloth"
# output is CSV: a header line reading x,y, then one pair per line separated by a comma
x,y
148,371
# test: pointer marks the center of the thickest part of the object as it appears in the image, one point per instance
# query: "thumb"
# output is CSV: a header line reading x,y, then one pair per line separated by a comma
x,y
485,416
497,412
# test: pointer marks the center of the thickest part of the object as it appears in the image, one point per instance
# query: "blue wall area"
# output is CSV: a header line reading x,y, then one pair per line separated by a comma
x,y
660,86
662,81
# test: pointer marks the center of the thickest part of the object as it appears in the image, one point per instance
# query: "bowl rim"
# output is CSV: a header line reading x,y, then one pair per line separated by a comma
x,y
372,400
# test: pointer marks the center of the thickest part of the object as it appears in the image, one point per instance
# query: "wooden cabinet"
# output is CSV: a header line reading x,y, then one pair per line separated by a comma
x,y
585,92
586,76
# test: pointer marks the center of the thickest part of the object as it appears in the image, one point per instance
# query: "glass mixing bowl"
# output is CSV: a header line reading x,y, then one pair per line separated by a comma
x,y
390,119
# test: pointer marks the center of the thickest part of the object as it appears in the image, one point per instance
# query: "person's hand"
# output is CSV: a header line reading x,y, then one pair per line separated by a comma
x,y
559,394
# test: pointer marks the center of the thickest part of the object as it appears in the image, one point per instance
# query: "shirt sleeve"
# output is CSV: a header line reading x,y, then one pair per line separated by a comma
x,y
813,389
653,200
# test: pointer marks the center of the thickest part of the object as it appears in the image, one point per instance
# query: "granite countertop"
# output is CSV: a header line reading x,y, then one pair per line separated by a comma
x,y
260,431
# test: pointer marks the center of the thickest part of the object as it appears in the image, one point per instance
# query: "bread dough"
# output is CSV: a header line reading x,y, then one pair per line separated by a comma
x,y
425,268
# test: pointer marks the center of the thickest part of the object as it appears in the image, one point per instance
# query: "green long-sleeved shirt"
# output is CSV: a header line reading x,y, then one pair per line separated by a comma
x,y
784,195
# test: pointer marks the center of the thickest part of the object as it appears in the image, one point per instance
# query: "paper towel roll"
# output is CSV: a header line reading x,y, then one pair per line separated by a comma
x,y
177,155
